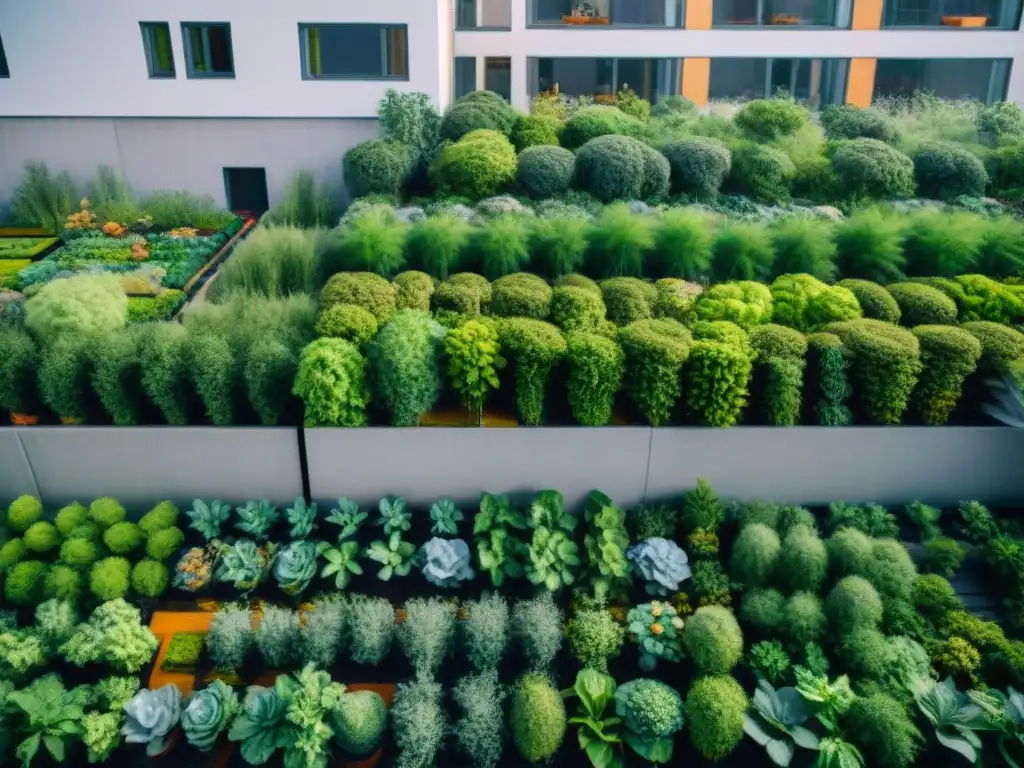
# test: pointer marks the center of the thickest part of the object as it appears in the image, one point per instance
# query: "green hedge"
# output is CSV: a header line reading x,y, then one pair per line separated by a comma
x,y
476,166
596,367
923,305
699,166
534,348
948,356
655,351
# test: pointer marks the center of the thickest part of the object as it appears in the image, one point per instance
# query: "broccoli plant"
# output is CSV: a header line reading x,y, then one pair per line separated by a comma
x,y
499,552
553,556
652,714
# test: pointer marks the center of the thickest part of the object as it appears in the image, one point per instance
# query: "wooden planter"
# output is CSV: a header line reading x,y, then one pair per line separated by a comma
x,y
23,419
585,20
964,21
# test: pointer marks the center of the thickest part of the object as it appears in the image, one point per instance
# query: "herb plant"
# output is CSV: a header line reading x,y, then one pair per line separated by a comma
x,y
598,736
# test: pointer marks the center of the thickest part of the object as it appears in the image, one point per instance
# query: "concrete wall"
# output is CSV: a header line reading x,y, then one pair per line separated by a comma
x,y
72,58
155,153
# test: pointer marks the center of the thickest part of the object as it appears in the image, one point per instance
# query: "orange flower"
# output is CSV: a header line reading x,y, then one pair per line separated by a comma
x,y
657,629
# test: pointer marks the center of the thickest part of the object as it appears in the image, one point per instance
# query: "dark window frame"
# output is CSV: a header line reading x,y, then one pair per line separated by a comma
x,y
304,61
5,70
148,42
191,73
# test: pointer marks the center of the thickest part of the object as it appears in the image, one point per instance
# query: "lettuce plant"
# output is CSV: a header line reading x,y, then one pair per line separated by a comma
x,y
605,542
553,556
347,517
341,563
446,517
295,566
312,698
207,517
394,555
499,552
256,518
661,563
394,516
150,716
598,735
300,517
446,562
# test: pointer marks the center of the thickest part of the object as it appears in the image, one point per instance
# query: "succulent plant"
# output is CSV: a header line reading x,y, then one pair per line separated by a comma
x,y
256,518
498,551
348,517
446,562
394,516
661,563
394,555
553,556
446,517
207,518
193,571
150,715
606,542
300,517
658,629
260,724
207,714
244,564
295,566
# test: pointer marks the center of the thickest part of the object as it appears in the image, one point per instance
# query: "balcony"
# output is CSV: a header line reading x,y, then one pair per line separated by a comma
x,y
952,14
600,78
976,79
814,82
602,14
780,13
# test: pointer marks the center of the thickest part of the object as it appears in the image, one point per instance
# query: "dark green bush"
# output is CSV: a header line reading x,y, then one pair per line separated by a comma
x,y
619,242
363,289
802,562
763,610
948,356
478,110
599,120
849,122
65,377
876,302
403,363
1000,345
853,603
166,374
803,246
943,556
19,361
377,167
595,374
576,310
767,119
762,172
612,168
716,379
882,728
828,385
923,305
945,171
942,244
435,244
872,168
535,130
743,251
534,348
476,166
521,295
805,303
655,351
1002,119
656,173
501,246
545,171
699,166
743,302
849,552
777,383
683,244
558,246
1006,168
214,374
628,299
885,366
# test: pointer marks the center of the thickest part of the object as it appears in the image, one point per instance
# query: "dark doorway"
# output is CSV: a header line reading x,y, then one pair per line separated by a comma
x,y
246,189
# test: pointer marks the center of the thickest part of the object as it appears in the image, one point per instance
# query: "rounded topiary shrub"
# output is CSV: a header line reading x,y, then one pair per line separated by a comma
x,y
481,110
762,609
42,537
715,711
853,603
754,555
1000,345
11,553
521,295
611,168
150,578
545,171
361,719
892,570
377,167
628,299
598,120
464,293
848,122
62,583
923,305
876,302
803,619
533,347
537,718
163,515
655,351
362,289
949,355
872,168
106,511
802,562
945,170
743,302
78,553
413,290
713,640
164,543
699,166
805,303
23,512
656,173
575,309
109,578
122,538
849,552
767,119
70,517
24,583
762,172
477,166
535,131
347,321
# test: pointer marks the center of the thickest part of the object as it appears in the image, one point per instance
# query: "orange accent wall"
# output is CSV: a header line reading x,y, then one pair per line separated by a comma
x,y
867,14
698,14
696,80
860,83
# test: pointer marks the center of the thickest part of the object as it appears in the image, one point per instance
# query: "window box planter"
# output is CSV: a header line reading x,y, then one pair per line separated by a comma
x,y
585,20
964,21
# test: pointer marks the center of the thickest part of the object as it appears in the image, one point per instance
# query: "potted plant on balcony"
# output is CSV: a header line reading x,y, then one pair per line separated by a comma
x,y
964,21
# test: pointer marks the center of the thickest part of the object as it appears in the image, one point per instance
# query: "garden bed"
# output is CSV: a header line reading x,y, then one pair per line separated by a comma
x,y
31,248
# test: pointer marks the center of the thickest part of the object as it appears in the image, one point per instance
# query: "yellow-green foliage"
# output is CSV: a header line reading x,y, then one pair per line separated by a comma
x,y
476,166
744,302
465,293
121,538
676,299
106,512
803,619
163,515
716,381
1000,345
596,367
331,380
763,609
521,295
849,552
413,290
537,718
81,304
70,517
108,579
364,289
628,299
347,321
655,351
805,303
23,512
575,309
534,347
948,356
923,305
473,360
713,640
715,709
985,299
24,583
876,302
42,537
780,354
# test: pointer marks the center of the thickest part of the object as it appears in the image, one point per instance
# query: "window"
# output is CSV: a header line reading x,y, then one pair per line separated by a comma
x,y
4,71
952,14
498,76
783,13
156,40
208,50
642,13
483,14
601,78
465,75
981,79
813,81
355,51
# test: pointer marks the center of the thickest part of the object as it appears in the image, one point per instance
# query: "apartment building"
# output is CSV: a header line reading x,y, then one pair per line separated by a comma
x,y
230,97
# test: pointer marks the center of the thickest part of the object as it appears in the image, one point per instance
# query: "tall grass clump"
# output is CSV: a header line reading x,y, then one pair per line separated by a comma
x,y
501,246
683,241
179,208
305,204
803,246
373,240
923,117
559,246
43,200
943,244
619,241
743,251
272,262
869,246
435,245
1002,247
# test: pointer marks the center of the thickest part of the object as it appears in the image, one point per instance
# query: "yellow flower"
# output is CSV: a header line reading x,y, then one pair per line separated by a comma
x,y
655,609
657,629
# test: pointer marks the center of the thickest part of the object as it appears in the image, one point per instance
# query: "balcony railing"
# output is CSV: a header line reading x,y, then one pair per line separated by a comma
x,y
970,14
605,13
780,13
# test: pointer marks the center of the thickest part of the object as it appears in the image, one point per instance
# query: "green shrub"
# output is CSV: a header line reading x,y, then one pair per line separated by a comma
x,y
699,166
163,543
24,583
64,377
150,578
78,553
682,245
472,350
1002,249
117,374
594,636
948,357
413,290
744,302
827,383
885,366
43,200
742,251
377,167
768,119
882,728
305,204
803,619
108,579
535,130
106,512
348,322
373,240
1002,119
754,555
891,571
942,244
923,305
435,244
853,603
12,553
876,302
576,309
480,110
676,299
534,347
869,246
163,515
985,299
805,303
544,171
943,556
122,538
849,122
1007,170
23,512
595,121
655,351
656,173
41,537
763,610
716,379
762,172
628,299
403,361
19,360
945,170
62,583
558,246
82,304
871,168
725,332
521,295
716,708
802,562
803,245
537,718
213,374
934,598
477,166
595,375
1000,345
611,168
501,246
465,293
362,289
331,380
713,640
